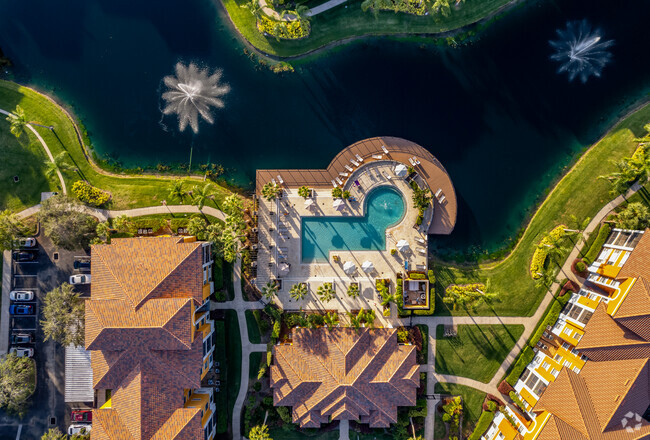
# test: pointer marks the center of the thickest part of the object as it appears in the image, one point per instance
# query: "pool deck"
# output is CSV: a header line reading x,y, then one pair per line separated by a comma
x,y
280,222
400,150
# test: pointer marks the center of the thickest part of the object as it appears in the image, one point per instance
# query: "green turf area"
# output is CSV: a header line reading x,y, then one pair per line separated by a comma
x,y
221,398
128,191
477,351
23,158
472,405
253,328
348,21
233,352
254,365
510,277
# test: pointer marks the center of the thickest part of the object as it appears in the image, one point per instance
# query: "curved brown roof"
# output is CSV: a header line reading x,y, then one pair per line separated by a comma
x,y
400,150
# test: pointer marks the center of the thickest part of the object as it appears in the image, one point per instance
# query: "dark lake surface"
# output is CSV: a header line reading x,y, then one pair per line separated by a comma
x,y
495,112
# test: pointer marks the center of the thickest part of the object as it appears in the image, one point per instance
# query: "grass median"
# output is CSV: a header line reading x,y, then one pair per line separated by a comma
x,y
128,191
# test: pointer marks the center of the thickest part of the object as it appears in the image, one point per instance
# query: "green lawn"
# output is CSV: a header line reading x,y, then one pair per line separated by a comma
x,y
128,191
254,366
23,158
233,351
253,328
477,351
281,434
221,398
348,21
580,193
472,405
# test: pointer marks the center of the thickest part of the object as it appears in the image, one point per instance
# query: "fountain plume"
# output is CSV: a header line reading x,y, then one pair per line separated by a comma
x,y
193,92
581,50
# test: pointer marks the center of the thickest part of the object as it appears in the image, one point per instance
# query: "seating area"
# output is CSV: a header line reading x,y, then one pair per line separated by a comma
x,y
416,294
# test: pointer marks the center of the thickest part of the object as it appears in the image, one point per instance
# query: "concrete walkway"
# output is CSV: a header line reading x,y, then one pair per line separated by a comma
x,y
4,302
270,12
324,7
344,430
47,150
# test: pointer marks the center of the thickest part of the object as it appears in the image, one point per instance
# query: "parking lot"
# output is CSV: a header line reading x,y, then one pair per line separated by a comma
x,y
51,268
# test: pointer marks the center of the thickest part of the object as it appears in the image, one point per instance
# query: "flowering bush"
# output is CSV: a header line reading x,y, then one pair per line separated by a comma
x,y
415,7
89,194
539,257
288,30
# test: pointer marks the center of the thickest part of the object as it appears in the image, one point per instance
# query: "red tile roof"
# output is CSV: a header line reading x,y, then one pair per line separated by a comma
x,y
139,328
344,374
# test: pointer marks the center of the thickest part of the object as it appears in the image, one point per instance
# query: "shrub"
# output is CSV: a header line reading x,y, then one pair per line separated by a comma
x,y
257,386
276,329
431,276
515,398
417,276
284,414
303,192
552,314
581,266
540,254
525,357
483,424
393,251
346,194
402,335
337,193
90,195
491,405
601,238
505,388
287,30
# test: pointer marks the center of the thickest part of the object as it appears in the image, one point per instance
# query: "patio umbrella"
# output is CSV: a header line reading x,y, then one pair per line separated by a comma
x,y
401,170
367,266
338,204
308,203
283,268
349,267
402,245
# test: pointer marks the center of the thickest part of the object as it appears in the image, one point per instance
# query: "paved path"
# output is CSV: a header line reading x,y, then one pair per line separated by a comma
x,y
4,302
47,150
288,17
344,430
324,7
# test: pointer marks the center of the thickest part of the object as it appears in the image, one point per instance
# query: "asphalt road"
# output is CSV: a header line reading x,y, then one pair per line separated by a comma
x,y
48,407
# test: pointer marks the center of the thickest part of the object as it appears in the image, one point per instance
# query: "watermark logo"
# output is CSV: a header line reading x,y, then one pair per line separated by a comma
x,y
631,422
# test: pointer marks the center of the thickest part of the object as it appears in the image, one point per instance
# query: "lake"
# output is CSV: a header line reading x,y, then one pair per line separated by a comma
x,y
495,112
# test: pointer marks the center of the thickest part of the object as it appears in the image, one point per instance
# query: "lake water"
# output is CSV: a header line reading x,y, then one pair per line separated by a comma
x,y
496,113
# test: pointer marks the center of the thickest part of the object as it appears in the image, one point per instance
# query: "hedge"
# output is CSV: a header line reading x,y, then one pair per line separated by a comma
x,y
482,425
515,398
540,254
552,314
526,357
417,276
90,195
136,223
601,238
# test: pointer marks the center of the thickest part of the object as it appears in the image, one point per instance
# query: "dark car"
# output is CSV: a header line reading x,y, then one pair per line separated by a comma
x,y
81,416
24,256
21,309
22,338
82,264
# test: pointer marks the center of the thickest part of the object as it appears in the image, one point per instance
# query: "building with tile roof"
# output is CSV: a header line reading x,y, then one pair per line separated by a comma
x,y
150,339
344,374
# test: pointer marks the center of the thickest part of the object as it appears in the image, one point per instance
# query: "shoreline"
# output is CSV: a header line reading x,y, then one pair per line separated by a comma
x,y
536,209
344,41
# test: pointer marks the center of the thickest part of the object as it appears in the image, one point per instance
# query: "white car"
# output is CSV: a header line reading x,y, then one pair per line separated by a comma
x,y
21,295
29,242
22,352
79,279
79,429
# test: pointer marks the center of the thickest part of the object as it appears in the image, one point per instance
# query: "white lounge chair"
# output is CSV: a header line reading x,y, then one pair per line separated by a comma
x,y
359,158
340,182
387,176
421,250
411,161
349,168
334,183
344,174
273,182
377,156
441,199
416,161
280,180
354,162
383,147
438,193
420,240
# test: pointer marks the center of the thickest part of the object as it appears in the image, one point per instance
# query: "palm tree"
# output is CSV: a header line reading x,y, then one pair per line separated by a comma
x,y
331,319
299,11
355,320
546,279
298,291
369,317
577,226
18,122
469,296
59,164
553,245
121,223
259,433
353,290
270,289
326,292
177,190
201,195
304,192
270,191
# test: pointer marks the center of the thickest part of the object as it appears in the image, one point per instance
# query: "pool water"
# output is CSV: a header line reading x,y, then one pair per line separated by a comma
x,y
384,207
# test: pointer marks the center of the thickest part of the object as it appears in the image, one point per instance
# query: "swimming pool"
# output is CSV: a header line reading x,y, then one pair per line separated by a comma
x,y
384,207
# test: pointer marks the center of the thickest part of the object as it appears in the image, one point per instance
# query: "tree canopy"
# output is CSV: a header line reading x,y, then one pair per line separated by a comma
x,y
10,229
64,313
65,223
17,376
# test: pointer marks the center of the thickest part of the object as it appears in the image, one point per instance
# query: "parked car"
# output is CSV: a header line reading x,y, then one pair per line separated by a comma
x,y
22,352
81,416
80,279
21,295
24,256
22,338
28,242
82,264
79,429
21,309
